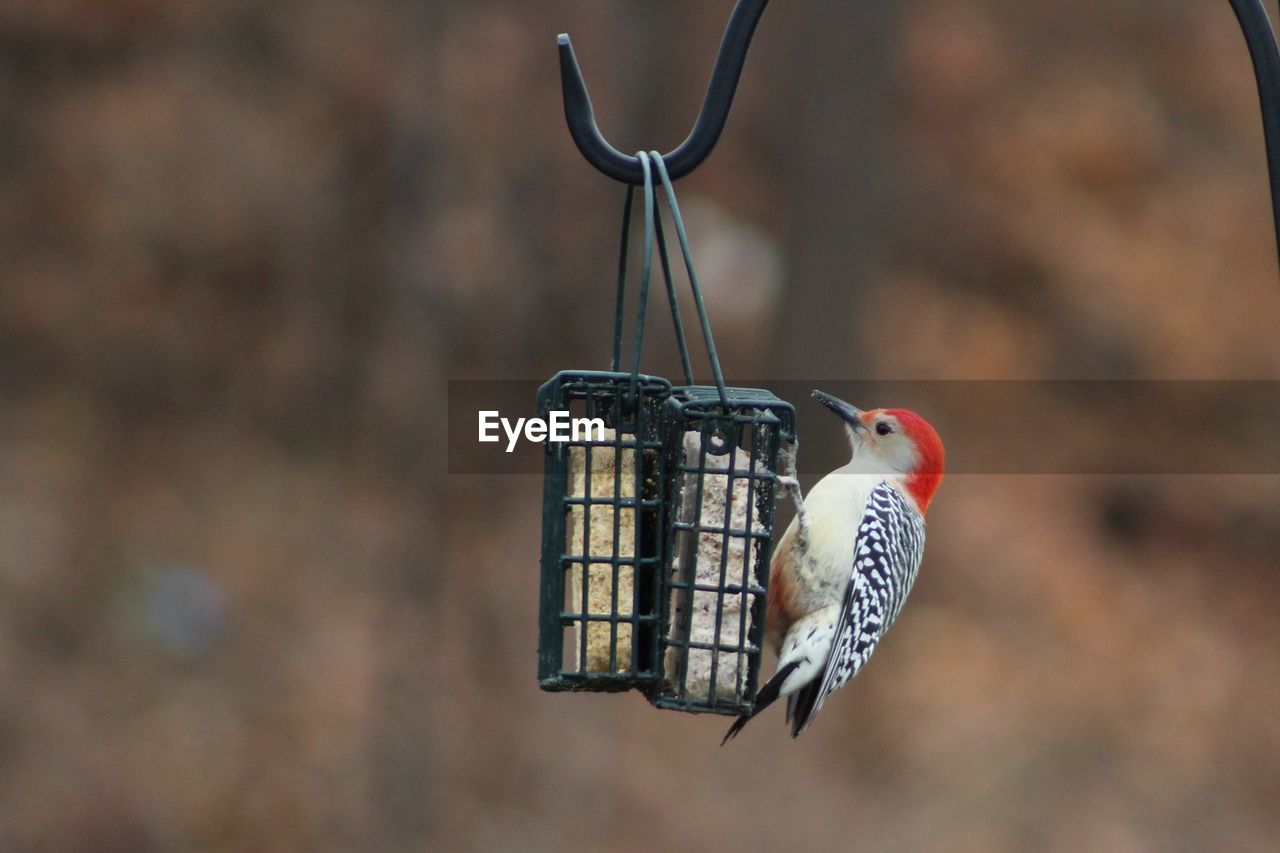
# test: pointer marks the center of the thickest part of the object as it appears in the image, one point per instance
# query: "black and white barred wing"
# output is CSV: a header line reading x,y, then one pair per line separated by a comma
x,y
887,555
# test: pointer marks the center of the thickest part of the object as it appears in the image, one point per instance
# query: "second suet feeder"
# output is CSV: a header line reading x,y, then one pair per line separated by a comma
x,y
720,459
602,511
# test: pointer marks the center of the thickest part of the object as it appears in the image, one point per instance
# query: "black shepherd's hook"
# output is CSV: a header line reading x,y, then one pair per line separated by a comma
x,y
1261,39
711,119
1251,14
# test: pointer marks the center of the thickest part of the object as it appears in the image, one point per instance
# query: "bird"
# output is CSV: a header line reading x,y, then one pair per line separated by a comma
x,y
843,568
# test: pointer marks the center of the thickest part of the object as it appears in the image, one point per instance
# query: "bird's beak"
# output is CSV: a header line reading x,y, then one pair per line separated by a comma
x,y
850,414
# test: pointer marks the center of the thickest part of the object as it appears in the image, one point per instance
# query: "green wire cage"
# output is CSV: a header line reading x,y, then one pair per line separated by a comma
x,y
719,460
602,513
657,527
657,536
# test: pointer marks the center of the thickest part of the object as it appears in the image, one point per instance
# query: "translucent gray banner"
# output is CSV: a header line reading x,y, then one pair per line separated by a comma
x,y
988,426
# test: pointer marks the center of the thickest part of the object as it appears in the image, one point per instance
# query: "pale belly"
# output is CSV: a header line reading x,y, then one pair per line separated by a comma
x,y
835,506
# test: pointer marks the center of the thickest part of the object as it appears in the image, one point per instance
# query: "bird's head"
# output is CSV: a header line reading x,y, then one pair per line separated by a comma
x,y
893,441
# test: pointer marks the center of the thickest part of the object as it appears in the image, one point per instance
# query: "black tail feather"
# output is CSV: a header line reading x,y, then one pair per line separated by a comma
x,y
800,706
766,697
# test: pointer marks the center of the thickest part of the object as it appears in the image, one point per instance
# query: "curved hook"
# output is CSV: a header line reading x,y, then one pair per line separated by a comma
x,y
1261,39
711,118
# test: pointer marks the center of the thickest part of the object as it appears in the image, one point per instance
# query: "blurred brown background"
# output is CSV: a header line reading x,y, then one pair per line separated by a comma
x,y
244,245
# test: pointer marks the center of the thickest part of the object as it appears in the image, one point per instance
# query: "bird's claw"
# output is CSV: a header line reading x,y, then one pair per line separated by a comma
x,y
788,458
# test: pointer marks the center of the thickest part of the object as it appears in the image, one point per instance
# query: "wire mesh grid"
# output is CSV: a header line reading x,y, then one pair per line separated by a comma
x,y
721,463
602,520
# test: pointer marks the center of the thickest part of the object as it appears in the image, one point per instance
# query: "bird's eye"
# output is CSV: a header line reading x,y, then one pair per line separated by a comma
x,y
883,428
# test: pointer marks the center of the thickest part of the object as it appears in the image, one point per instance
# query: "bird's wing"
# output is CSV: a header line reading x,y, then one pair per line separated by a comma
x,y
886,558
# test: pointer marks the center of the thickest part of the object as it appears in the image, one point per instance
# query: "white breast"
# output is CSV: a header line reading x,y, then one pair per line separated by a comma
x,y
835,507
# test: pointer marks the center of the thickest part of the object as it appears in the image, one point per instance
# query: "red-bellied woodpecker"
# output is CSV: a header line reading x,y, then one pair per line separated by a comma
x,y
844,566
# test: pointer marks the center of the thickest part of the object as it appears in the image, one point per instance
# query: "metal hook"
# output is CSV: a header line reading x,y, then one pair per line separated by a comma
x,y
1261,39
711,118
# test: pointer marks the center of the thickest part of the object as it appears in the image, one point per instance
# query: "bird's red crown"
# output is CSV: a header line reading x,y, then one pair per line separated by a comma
x,y
924,480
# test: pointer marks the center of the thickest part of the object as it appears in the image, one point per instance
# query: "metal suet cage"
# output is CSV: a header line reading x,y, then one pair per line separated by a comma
x,y
658,527
657,536
602,512
720,460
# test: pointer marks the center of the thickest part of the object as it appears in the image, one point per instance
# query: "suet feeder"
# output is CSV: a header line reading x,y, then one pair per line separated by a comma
x,y
657,534
720,457
602,516
658,525
658,528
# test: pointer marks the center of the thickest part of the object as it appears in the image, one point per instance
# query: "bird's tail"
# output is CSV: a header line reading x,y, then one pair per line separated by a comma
x,y
800,706
766,697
